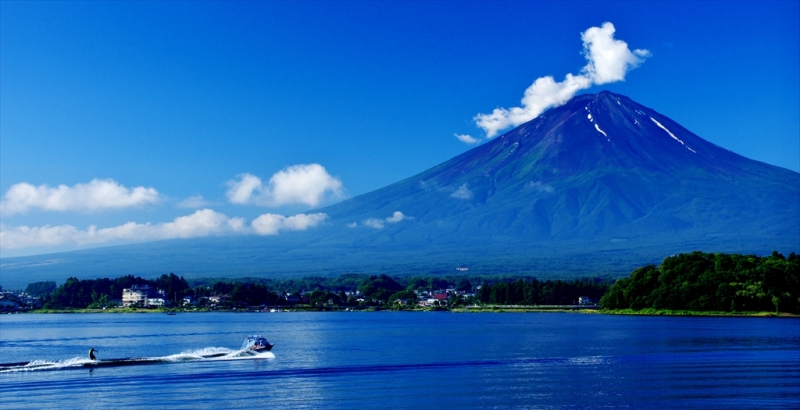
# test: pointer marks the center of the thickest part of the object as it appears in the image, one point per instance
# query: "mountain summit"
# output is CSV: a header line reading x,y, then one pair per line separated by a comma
x,y
599,185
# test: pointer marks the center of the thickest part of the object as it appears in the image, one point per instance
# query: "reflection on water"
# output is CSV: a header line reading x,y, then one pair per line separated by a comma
x,y
400,360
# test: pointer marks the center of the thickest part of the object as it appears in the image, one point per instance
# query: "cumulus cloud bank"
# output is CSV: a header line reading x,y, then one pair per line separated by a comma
x,y
202,223
608,59
308,184
98,194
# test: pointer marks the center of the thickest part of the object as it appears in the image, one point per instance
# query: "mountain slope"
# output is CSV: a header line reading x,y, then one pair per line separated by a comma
x,y
601,166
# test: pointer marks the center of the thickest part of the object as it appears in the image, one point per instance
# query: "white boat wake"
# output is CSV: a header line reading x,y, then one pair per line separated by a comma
x,y
204,354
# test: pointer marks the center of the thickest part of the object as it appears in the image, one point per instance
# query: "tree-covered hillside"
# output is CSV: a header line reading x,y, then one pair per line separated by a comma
x,y
711,282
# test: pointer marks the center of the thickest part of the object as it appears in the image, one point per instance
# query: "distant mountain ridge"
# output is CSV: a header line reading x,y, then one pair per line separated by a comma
x,y
597,186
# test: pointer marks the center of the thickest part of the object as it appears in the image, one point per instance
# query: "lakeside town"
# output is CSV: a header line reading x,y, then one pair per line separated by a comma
x,y
148,297
696,282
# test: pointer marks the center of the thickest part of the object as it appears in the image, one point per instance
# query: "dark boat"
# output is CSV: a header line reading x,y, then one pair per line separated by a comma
x,y
256,343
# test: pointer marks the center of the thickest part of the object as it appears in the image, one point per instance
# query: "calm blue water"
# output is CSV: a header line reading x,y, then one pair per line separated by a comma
x,y
401,360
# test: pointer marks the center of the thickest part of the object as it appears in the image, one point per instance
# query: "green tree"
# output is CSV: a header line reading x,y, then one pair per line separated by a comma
x,y
464,285
408,295
379,287
40,289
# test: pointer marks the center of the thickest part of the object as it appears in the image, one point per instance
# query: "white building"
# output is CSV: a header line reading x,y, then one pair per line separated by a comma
x,y
143,295
135,295
156,302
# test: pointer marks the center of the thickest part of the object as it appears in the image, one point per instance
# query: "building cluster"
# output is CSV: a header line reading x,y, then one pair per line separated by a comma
x,y
11,301
441,297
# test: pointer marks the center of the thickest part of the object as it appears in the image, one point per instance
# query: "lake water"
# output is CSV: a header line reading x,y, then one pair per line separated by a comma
x,y
400,360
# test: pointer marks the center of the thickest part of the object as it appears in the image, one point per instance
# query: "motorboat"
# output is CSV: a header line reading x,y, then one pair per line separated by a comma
x,y
256,343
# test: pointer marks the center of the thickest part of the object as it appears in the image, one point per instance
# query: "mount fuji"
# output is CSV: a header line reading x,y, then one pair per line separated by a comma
x,y
598,168
599,185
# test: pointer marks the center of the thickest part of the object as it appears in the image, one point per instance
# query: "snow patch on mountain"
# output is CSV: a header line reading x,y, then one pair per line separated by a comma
x,y
668,132
672,135
597,127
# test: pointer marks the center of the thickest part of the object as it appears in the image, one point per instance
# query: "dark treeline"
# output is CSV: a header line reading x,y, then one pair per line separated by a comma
x,y
534,292
711,282
342,290
349,282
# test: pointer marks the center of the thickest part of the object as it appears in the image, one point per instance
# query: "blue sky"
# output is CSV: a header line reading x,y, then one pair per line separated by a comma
x,y
174,108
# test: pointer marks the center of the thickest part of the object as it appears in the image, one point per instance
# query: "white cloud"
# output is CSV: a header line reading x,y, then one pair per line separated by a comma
x,y
396,217
352,225
538,186
202,223
376,223
609,60
272,224
241,191
467,139
98,194
305,184
462,192
308,184
196,201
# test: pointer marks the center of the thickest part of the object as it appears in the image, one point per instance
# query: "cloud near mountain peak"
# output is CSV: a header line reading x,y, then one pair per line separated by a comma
x,y
608,60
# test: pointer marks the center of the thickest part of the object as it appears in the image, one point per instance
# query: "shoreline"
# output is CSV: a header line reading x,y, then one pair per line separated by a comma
x,y
628,312
467,309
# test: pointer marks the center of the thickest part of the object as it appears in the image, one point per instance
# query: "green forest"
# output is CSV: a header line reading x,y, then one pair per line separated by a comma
x,y
532,292
711,282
